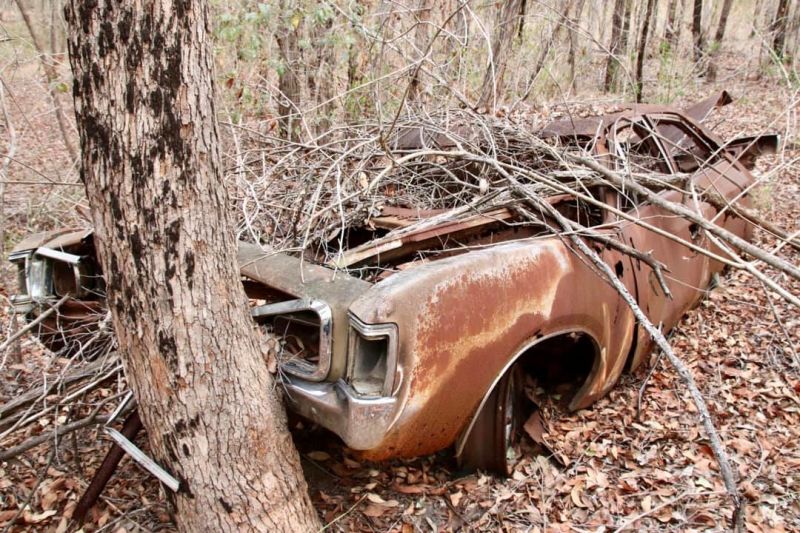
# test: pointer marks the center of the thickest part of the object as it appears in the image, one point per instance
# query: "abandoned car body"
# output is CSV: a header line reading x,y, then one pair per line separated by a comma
x,y
432,355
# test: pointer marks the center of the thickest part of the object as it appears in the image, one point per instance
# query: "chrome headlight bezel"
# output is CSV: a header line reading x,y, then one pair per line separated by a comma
x,y
384,361
299,367
37,271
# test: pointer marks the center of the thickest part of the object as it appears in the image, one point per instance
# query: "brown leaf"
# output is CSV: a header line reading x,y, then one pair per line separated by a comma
x,y
575,494
750,492
535,427
410,489
374,511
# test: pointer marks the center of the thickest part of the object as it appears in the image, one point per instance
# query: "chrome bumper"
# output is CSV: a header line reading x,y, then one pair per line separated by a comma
x,y
362,423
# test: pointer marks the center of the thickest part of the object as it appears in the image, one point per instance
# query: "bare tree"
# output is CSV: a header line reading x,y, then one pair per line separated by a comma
x,y
144,103
697,30
51,75
615,47
718,37
624,39
504,30
287,37
723,20
573,43
672,30
778,28
562,21
642,49
421,36
319,67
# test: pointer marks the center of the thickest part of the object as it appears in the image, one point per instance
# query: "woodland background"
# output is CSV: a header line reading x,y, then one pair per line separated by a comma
x,y
295,70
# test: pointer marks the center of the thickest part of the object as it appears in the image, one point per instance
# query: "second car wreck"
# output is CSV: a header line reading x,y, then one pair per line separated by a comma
x,y
409,328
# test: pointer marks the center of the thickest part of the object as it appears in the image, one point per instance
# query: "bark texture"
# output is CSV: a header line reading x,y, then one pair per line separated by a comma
x,y
144,102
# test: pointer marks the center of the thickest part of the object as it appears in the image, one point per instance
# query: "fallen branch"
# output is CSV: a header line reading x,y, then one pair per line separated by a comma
x,y
91,420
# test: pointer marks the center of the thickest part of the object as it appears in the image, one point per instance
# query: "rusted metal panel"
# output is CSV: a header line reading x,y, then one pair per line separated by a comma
x,y
469,314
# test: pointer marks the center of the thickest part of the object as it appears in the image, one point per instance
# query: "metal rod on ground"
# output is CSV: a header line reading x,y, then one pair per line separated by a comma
x,y
131,427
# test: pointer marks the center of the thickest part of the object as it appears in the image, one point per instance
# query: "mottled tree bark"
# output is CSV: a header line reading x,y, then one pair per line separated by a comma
x,y
144,103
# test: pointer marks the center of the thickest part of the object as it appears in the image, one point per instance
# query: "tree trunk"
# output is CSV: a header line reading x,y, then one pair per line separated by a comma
x,y
642,48
723,21
288,78
697,30
423,16
144,103
711,75
563,20
51,74
672,28
319,74
502,38
523,7
573,44
624,38
612,62
779,28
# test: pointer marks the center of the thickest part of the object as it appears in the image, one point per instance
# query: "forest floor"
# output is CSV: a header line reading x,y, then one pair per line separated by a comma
x,y
610,467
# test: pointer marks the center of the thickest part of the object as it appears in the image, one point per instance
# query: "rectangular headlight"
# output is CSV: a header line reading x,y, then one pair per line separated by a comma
x,y
306,329
372,357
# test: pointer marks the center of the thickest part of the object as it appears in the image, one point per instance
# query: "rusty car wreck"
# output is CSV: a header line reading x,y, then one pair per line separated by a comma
x,y
430,354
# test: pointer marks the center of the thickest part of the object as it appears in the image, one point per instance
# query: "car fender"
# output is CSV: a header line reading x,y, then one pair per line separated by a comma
x,y
462,319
